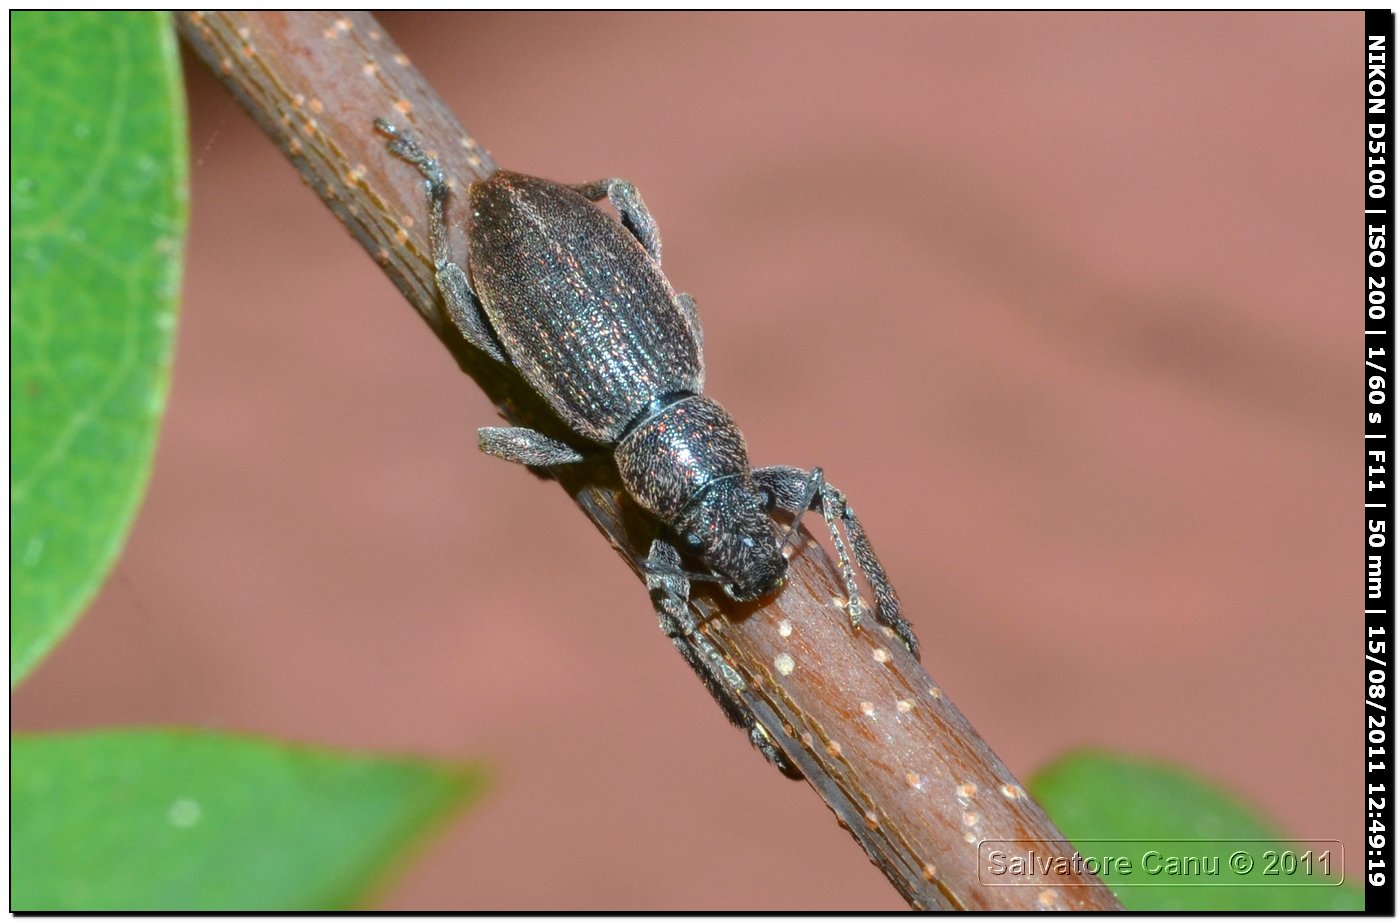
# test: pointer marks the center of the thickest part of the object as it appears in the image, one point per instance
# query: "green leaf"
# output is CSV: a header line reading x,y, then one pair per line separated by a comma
x,y
98,190
1111,805
184,820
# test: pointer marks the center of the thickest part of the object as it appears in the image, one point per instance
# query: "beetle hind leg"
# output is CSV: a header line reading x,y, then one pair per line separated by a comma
x,y
463,306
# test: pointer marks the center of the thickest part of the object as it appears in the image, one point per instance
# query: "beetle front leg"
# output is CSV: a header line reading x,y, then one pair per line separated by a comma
x,y
463,306
798,491
670,592
630,207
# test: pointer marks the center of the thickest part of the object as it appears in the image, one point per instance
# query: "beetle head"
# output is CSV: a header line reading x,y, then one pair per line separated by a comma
x,y
728,526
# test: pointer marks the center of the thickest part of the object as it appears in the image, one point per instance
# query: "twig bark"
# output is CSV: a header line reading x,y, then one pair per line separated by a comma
x,y
875,736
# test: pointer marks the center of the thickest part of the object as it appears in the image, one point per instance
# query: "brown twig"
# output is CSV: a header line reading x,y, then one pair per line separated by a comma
x,y
873,734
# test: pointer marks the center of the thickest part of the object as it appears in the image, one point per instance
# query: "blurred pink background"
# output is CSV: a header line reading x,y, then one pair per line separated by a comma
x,y
1067,303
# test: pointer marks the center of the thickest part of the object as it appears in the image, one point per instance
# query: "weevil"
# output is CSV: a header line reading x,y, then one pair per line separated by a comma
x,y
576,302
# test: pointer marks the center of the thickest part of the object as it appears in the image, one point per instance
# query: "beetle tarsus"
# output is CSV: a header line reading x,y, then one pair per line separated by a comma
x,y
404,145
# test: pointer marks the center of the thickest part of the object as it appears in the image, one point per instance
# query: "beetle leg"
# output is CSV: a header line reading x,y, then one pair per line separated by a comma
x,y
692,320
463,306
465,310
670,592
798,491
886,601
525,446
637,218
630,207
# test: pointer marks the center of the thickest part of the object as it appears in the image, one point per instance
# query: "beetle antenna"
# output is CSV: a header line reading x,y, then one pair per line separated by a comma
x,y
813,487
791,533
667,571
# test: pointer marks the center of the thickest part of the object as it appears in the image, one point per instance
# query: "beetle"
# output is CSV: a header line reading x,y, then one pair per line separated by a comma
x,y
576,302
